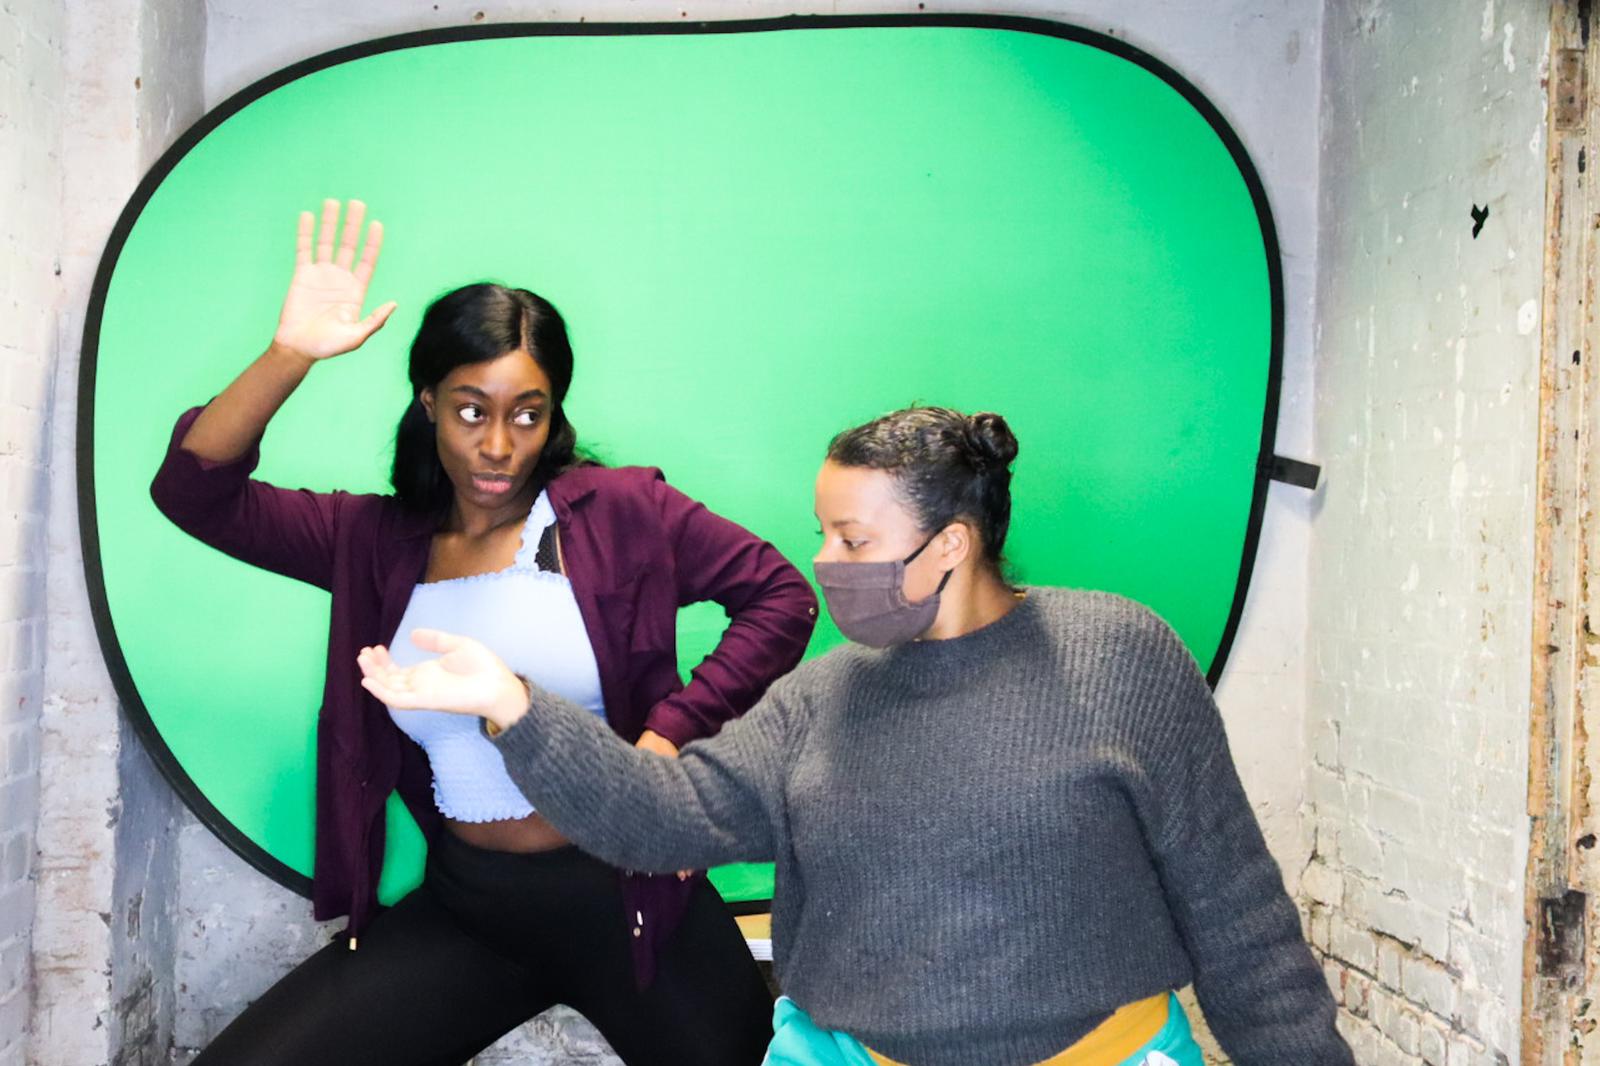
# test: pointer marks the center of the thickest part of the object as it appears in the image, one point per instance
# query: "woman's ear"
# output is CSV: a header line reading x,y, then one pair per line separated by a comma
x,y
426,398
956,543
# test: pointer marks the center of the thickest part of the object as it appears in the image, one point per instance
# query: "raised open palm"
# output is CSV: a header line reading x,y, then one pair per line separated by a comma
x,y
321,315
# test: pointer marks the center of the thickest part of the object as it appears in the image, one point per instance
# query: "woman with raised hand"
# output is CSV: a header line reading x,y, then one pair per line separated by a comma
x,y
1006,822
573,573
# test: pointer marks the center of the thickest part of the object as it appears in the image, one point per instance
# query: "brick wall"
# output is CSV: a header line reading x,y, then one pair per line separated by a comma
x,y
31,86
106,846
1421,563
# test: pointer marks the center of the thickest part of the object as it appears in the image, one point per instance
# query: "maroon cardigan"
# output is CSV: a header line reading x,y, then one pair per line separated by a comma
x,y
635,550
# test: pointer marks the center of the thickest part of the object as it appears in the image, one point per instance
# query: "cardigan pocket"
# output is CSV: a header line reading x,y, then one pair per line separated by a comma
x,y
635,622
618,609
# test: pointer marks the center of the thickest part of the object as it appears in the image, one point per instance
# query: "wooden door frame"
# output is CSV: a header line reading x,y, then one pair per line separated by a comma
x,y
1559,1016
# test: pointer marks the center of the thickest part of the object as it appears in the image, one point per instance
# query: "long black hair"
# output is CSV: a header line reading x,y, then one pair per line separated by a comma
x,y
946,465
474,324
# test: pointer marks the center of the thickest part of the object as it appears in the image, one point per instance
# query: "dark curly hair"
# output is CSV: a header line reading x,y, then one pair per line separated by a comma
x,y
946,466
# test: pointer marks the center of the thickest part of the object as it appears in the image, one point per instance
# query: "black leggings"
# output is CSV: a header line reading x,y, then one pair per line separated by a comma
x,y
489,940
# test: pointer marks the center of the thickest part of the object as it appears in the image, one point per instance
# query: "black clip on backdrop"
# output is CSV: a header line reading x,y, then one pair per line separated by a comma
x,y
1292,472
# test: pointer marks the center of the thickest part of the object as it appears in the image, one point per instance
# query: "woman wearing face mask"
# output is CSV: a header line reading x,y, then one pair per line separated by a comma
x,y
573,573
1006,821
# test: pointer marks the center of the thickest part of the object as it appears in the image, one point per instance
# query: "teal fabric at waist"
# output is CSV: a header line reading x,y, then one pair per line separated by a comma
x,y
799,1041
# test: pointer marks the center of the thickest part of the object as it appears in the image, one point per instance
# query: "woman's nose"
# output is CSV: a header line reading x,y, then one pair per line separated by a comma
x,y
496,442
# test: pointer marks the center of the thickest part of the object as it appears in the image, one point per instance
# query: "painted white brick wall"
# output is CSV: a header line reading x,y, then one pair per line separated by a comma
x,y
102,952
31,116
1422,562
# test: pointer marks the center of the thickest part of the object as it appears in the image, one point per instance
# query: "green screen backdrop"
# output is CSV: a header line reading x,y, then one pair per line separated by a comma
x,y
759,233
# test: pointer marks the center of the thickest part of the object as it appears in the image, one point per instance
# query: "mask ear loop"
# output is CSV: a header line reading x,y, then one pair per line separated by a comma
x,y
943,581
920,550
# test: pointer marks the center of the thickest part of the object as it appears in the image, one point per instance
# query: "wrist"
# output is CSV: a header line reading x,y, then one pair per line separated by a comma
x,y
289,356
510,706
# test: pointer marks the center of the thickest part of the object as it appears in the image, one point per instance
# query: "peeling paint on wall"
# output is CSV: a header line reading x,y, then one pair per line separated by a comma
x,y
1421,567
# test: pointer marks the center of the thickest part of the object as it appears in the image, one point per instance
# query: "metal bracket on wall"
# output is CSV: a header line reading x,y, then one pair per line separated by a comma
x,y
1561,941
1301,475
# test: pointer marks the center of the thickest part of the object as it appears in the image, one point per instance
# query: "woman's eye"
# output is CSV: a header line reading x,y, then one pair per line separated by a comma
x,y
526,418
850,545
470,414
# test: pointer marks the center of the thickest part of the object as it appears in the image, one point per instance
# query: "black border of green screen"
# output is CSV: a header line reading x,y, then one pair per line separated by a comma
x,y
128,692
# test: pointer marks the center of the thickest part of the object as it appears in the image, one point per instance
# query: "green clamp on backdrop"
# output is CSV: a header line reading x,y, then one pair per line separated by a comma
x,y
759,233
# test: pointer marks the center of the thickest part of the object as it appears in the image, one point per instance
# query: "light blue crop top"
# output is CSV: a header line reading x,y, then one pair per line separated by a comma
x,y
529,618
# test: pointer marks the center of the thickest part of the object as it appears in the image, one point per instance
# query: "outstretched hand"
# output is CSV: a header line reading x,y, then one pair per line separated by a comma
x,y
466,678
321,314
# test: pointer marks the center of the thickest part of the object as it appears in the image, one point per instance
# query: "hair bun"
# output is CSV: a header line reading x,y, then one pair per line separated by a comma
x,y
990,441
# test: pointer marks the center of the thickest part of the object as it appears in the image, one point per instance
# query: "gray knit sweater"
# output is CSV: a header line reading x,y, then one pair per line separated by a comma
x,y
983,845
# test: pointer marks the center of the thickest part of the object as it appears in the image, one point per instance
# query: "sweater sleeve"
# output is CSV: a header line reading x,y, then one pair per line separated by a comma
x,y
771,611
287,531
1262,992
720,801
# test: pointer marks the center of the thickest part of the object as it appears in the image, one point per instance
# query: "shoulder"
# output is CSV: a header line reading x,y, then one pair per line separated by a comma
x,y
623,495
376,507
817,684
1117,644
611,485
1086,614
607,479
381,516
829,674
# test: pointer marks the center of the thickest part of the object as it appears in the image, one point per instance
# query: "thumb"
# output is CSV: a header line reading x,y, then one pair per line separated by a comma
x,y
374,322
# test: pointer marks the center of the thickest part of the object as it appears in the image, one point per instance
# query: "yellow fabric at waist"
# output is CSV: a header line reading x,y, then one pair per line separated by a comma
x,y
1108,1044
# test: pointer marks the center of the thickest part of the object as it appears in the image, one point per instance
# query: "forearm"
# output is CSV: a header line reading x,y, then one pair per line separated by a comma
x,y
1263,993
760,644
633,808
770,606
239,415
1262,990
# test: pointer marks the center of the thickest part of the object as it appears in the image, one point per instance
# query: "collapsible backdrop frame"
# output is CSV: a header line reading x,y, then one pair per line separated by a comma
x,y
760,232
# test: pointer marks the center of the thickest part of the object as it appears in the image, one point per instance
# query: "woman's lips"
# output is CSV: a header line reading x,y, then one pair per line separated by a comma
x,y
493,484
